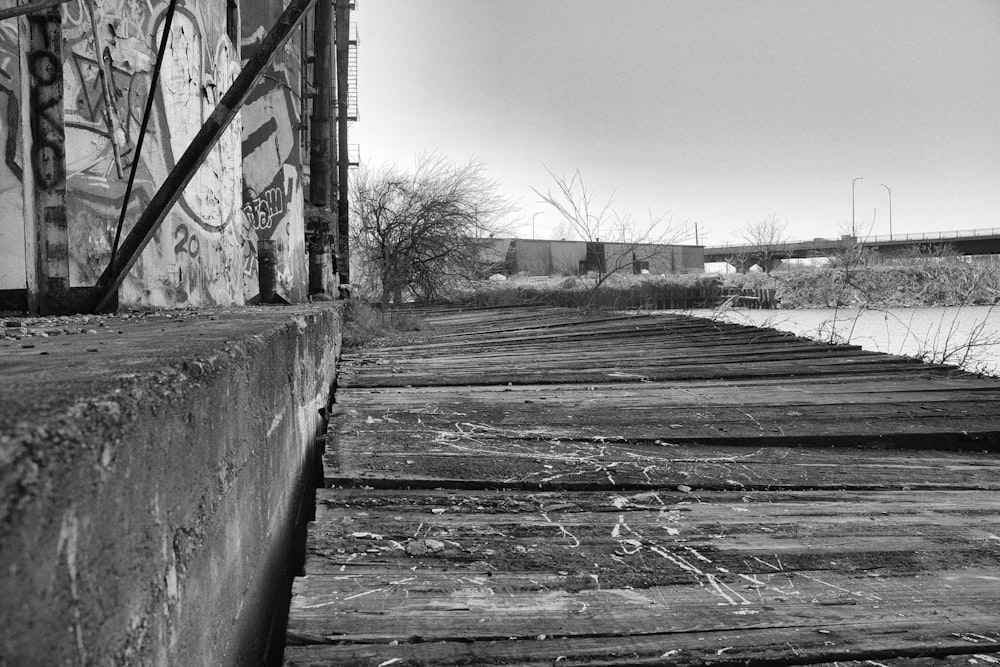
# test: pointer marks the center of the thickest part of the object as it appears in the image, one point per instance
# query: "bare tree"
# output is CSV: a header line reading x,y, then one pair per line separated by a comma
x,y
628,246
563,231
418,231
765,239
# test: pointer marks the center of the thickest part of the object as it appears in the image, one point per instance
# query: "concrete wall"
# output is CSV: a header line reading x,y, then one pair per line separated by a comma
x,y
13,271
196,257
149,486
250,188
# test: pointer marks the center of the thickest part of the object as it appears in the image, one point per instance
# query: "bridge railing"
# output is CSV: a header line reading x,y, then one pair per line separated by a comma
x,y
935,236
885,238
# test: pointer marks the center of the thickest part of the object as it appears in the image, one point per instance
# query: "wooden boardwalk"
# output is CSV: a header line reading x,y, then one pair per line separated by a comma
x,y
541,487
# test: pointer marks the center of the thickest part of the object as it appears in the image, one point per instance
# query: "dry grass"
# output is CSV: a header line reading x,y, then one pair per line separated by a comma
x,y
950,281
620,291
365,324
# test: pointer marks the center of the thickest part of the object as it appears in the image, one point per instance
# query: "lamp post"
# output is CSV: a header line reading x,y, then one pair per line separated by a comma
x,y
854,229
533,216
887,189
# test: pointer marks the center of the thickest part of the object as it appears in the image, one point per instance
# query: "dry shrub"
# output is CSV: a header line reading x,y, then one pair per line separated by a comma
x,y
364,323
934,281
617,292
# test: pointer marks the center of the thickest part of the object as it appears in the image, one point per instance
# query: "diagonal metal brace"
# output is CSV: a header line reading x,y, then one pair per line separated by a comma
x,y
30,8
202,144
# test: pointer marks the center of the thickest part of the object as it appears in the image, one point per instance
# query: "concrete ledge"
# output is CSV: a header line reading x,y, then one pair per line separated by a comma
x,y
151,469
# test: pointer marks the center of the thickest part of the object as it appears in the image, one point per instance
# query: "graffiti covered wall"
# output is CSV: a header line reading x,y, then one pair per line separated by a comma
x,y
272,183
198,256
13,271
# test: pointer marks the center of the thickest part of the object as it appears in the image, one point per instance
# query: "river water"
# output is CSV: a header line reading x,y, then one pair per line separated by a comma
x,y
966,336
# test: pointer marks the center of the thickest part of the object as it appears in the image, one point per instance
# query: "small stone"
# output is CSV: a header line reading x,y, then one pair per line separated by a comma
x,y
13,324
684,488
27,345
434,545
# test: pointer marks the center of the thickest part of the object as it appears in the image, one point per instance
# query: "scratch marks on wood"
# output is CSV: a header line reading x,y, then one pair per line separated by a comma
x,y
542,487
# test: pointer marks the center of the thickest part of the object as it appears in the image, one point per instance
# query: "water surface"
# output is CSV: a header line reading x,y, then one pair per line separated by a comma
x,y
965,336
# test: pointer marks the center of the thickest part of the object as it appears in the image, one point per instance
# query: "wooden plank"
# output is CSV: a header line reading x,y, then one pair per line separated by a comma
x,y
622,626
742,593
670,394
787,646
420,471
607,534
334,608
445,447
702,369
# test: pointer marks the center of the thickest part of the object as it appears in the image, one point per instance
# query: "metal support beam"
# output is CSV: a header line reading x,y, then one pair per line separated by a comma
x,y
30,8
202,144
319,141
342,10
321,191
147,112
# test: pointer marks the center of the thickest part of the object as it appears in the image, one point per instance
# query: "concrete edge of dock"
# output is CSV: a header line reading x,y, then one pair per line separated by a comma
x,y
150,488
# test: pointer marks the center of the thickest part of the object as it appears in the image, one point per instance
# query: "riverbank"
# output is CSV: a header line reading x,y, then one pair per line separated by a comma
x,y
947,281
917,282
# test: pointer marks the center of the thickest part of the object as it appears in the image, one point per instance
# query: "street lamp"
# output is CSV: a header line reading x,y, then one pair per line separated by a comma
x,y
533,216
854,229
887,189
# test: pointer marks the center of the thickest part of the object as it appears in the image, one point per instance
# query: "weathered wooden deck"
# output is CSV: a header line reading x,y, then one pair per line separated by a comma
x,y
540,487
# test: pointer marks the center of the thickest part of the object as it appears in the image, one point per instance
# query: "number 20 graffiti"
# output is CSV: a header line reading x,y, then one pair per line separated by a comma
x,y
185,243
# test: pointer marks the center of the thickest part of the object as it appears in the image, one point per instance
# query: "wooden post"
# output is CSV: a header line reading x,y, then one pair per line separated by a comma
x,y
48,158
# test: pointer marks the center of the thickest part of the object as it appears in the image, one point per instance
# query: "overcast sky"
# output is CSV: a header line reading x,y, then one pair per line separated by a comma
x,y
716,111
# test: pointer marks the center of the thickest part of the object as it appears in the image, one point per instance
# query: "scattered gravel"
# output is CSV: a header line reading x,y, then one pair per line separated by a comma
x,y
19,328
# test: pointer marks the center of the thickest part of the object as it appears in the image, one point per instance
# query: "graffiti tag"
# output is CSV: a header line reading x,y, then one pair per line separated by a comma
x,y
48,136
263,210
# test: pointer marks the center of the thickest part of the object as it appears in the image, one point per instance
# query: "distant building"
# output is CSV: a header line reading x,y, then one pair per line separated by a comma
x,y
539,257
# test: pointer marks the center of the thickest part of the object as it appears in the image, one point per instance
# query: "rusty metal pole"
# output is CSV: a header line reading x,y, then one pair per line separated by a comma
x,y
320,152
319,140
342,8
202,144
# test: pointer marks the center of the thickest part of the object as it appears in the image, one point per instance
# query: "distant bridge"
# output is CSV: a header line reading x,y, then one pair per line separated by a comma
x,y
964,242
